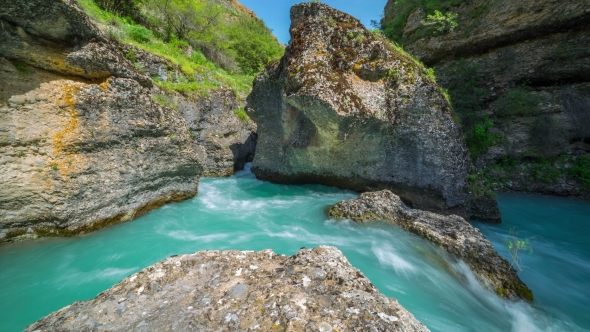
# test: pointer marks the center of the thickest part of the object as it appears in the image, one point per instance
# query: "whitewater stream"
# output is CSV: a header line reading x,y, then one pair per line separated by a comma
x,y
240,212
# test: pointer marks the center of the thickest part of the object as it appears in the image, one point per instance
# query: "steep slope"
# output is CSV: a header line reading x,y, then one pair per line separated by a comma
x,y
518,74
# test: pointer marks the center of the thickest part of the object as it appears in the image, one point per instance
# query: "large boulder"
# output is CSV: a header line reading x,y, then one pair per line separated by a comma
x,y
453,233
82,143
313,290
344,107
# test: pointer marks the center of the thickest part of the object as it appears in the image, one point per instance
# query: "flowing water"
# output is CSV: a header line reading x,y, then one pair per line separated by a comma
x,y
240,212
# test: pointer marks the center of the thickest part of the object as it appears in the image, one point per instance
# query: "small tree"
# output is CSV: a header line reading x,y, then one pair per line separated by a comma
x,y
516,245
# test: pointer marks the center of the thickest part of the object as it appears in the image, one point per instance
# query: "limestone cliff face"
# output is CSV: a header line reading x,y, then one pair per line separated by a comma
x,y
530,62
228,141
344,107
314,290
82,143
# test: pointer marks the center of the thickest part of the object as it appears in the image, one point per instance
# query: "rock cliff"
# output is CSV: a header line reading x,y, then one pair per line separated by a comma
x,y
313,290
345,107
519,73
453,233
82,143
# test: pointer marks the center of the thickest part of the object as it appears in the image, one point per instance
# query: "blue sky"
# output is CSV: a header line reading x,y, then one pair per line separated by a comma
x,y
275,13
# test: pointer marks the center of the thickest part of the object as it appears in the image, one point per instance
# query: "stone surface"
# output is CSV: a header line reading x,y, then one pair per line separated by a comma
x,y
452,232
538,43
313,290
344,107
82,143
228,141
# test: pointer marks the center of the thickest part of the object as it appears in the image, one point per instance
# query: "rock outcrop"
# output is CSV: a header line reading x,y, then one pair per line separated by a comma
x,y
229,142
453,233
526,66
82,143
313,290
344,107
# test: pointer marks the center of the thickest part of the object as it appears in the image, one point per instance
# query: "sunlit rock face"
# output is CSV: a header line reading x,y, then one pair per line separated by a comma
x,y
344,107
82,143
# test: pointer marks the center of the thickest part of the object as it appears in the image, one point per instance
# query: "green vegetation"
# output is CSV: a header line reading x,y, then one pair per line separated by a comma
x,y
515,246
468,99
242,115
443,21
581,171
164,101
545,170
517,102
212,44
21,67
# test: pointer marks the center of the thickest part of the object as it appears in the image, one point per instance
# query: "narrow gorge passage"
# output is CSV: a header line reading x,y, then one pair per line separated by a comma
x,y
243,213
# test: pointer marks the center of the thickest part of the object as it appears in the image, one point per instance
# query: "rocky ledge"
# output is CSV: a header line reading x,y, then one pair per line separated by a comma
x,y
452,232
313,290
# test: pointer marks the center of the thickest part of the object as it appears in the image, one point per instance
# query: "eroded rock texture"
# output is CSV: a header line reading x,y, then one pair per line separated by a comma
x,y
313,290
452,232
228,141
344,107
526,65
82,143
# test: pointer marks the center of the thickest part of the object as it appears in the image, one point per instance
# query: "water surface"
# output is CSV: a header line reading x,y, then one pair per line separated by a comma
x,y
240,212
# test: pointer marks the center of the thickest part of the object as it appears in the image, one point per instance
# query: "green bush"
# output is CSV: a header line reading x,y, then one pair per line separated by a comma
x,y
517,102
396,18
581,171
442,22
138,33
242,115
467,96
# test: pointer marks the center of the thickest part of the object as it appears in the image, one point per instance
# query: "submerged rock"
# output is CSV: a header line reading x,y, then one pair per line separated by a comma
x,y
313,290
344,107
452,232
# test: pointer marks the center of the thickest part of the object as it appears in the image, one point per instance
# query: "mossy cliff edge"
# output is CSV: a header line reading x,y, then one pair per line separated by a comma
x,y
518,74
345,107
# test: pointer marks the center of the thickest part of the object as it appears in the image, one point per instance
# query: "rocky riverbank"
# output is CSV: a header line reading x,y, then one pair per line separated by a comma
x,y
453,233
313,290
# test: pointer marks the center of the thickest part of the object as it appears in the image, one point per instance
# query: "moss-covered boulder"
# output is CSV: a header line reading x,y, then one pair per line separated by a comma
x,y
345,107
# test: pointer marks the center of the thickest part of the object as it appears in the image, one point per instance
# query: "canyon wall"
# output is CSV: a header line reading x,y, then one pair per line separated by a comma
x,y
518,74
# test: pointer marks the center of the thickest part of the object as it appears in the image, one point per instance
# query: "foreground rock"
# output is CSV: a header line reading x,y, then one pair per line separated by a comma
x,y
313,290
453,233
82,143
344,107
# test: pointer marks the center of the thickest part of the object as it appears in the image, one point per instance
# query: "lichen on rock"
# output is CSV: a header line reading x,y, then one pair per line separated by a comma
x,y
313,290
453,233
345,107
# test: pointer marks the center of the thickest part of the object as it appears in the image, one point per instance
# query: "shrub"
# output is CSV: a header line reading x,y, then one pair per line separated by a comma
x,y
138,33
242,115
515,246
581,171
517,102
442,22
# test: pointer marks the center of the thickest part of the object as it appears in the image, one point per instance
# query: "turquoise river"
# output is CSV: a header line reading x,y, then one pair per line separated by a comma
x,y
240,212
